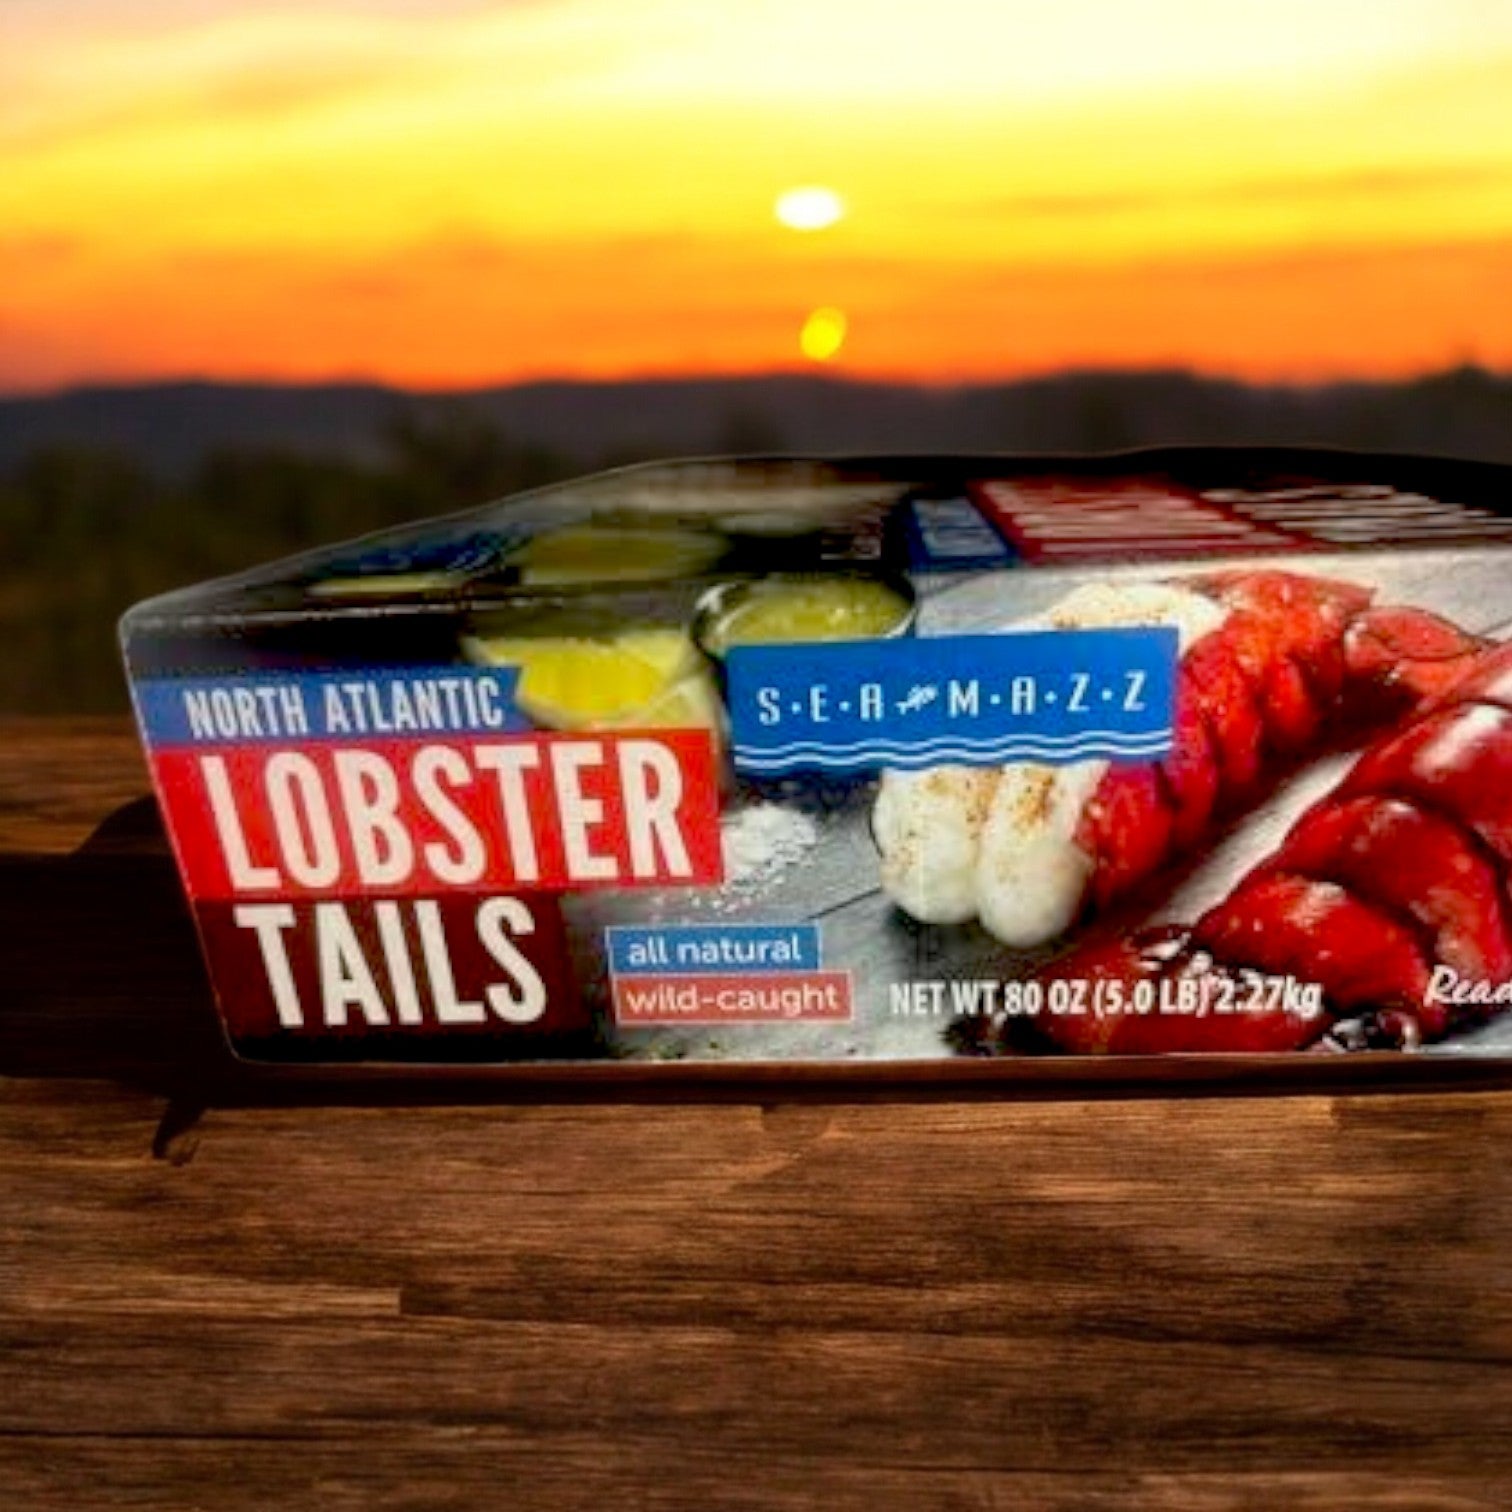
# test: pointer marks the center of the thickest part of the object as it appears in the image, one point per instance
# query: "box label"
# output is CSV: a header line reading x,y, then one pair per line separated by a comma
x,y
692,948
664,1001
378,854
723,974
1040,695
404,782
401,969
257,708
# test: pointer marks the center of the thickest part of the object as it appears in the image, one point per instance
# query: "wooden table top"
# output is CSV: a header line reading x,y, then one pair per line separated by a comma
x,y
451,1299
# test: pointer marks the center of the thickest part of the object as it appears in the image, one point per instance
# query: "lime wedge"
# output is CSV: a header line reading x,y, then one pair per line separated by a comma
x,y
795,610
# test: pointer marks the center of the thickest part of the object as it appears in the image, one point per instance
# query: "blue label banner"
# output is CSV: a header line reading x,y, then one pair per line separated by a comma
x,y
950,535
975,700
359,703
696,949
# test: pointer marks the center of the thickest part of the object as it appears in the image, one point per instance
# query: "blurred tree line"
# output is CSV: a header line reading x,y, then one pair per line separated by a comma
x,y
87,532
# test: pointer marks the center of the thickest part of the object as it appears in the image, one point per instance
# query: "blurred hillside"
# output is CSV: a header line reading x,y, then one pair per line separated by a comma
x,y
110,495
172,429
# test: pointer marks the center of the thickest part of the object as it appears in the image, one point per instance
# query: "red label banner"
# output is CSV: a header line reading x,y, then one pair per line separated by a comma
x,y
395,971
383,818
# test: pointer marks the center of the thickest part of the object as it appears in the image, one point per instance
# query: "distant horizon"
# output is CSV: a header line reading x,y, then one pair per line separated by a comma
x,y
171,430
826,375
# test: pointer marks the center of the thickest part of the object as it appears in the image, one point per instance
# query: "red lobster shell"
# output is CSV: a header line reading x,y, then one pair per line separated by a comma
x,y
1391,884
1295,659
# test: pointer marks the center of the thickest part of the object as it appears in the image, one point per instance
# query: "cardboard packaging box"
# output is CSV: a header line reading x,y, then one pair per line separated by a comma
x,y
898,762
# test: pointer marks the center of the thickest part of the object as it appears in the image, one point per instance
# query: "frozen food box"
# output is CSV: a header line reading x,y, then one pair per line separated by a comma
x,y
898,762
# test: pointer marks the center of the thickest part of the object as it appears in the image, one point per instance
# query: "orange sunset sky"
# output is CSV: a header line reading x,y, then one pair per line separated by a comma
x,y
457,192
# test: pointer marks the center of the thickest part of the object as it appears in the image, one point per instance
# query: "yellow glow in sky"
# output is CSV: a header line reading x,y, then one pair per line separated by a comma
x,y
440,192
823,334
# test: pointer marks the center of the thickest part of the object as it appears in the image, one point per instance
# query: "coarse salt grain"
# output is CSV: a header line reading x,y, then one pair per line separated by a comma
x,y
762,842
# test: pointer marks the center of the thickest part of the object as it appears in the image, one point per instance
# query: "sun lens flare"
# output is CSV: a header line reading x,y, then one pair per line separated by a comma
x,y
811,208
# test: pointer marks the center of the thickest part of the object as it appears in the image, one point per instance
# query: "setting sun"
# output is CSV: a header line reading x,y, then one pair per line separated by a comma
x,y
823,335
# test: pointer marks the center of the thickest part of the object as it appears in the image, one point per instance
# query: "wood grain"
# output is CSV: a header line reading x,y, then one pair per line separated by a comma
x,y
60,778
1210,1304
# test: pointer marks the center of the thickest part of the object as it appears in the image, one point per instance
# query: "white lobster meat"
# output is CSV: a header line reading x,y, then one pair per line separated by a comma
x,y
998,844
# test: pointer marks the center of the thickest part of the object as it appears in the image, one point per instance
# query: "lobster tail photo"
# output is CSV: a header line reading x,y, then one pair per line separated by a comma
x,y
1384,895
1274,665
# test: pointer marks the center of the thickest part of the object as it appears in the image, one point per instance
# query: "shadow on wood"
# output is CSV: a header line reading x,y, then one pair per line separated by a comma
x,y
104,977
